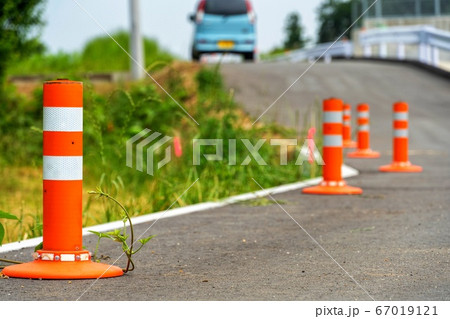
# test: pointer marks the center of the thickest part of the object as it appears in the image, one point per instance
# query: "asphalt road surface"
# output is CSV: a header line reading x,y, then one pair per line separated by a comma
x,y
391,243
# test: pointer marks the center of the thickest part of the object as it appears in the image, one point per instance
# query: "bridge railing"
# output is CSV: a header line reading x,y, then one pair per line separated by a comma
x,y
428,39
327,51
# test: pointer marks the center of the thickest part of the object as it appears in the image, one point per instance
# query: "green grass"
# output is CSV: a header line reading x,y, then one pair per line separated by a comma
x,y
115,119
101,54
110,120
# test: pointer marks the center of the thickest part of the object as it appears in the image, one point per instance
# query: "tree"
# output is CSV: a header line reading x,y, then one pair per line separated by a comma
x,y
294,32
334,20
17,19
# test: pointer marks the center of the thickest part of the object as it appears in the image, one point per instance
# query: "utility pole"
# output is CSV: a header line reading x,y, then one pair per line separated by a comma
x,y
136,43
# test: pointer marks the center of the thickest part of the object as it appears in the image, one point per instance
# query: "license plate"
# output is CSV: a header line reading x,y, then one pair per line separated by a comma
x,y
225,44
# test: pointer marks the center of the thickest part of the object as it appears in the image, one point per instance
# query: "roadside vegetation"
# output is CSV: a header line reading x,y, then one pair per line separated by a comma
x,y
112,116
334,20
294,37
91,59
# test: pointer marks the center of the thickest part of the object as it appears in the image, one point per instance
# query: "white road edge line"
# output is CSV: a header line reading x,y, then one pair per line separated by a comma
x,y
347,172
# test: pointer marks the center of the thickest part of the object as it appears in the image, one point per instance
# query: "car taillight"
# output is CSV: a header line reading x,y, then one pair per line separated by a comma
x,y
250,12
200,11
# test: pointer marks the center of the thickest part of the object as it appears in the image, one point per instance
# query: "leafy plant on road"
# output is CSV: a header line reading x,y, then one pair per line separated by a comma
x,y
120,235
4,215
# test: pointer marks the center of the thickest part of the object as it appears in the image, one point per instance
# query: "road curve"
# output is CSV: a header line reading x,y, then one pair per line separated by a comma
x,y
257,86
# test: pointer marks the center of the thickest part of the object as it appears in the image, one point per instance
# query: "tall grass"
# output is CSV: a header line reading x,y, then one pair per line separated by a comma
x,y
123,114
101,54
110,120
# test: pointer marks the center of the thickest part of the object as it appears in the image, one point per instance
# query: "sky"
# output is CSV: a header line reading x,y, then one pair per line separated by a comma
x,y
68,26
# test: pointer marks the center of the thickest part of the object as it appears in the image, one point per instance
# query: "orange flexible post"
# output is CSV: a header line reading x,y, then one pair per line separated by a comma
x,y
400,161
363,150
62,255
332,183
347,127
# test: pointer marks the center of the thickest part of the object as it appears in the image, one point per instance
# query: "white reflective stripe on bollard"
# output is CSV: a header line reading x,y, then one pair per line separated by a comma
x,y
400,133
67,257
364,128
63,119
363,114
332,117
63,168
401,116
332,140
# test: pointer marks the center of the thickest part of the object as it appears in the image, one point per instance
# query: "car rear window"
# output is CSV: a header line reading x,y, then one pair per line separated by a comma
x,y
225,7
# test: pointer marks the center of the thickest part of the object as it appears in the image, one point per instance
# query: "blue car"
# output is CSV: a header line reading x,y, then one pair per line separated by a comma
x,y
224,26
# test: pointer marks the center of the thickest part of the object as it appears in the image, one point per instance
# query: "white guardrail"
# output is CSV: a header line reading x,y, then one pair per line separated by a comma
x,y
428,39
324,50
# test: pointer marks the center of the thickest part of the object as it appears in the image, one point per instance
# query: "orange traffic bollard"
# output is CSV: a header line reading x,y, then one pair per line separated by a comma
x,y
347,127
332,183
62,255
363,150
400,162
